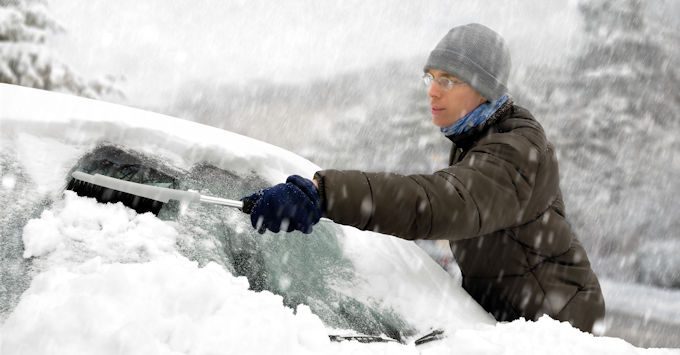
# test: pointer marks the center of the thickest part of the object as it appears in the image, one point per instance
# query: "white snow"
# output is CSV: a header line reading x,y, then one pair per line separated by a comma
x,y
8,182
109,281
545,336
393,264
37,154
109,231
164,306
84,123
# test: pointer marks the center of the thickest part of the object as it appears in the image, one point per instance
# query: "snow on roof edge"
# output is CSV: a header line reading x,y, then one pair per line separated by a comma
x,y
27,105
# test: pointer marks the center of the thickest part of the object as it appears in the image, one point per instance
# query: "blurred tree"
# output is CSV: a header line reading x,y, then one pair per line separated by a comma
x,y
617,127
625,62
385,126
376,119
613,116
25,26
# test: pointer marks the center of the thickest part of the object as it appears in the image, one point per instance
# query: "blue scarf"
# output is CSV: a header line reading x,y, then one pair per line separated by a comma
x,y
474,118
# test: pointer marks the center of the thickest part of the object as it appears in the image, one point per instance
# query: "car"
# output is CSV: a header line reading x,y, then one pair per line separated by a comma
x,y
47,136
82,276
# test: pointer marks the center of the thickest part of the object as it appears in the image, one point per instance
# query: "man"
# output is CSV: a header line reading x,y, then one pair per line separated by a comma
x,y
498,203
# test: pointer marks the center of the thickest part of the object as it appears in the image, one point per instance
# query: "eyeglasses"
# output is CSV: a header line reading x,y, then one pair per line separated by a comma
x,y
445,83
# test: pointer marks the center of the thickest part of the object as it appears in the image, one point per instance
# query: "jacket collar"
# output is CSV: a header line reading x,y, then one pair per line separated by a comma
x,y
466,138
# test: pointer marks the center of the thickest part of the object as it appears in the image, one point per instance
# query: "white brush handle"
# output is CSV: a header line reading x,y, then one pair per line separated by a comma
x,y
157,193
161,194
222,201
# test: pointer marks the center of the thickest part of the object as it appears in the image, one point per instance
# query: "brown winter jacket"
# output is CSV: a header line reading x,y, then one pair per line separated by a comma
x,y
500,206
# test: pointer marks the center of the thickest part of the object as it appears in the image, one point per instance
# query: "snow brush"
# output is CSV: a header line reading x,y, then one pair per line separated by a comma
x,y
140,197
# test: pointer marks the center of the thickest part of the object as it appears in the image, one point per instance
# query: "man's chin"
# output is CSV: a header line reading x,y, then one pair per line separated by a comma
x,y
442,122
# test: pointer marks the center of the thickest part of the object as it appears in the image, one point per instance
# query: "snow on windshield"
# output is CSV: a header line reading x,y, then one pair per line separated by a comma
x,y
85,277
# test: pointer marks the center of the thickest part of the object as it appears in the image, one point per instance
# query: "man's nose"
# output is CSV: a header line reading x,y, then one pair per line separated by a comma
x,y
434,90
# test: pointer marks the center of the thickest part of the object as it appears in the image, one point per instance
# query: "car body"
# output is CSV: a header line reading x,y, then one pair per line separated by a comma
x,y
356,283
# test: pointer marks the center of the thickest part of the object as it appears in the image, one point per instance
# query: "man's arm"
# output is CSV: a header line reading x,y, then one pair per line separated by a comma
x,y
485,192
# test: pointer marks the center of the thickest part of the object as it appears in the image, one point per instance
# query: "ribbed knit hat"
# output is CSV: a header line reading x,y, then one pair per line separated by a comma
x,y
475,54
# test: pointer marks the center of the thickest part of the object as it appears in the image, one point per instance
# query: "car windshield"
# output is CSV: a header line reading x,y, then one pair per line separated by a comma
x,y
302,269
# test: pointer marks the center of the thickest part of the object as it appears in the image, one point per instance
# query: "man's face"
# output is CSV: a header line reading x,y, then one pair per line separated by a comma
x,y
448,106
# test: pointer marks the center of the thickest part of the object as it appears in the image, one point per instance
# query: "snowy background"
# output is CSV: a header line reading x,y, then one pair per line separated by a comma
x,y
600,75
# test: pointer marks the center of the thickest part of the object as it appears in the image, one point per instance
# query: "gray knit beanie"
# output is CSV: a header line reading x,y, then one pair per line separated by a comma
x,y
475,54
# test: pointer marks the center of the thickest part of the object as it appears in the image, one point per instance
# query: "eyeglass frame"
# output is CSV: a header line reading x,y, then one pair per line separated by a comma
x,y
444,82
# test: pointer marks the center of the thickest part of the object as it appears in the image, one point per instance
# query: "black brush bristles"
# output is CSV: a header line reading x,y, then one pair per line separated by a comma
x,y
107,195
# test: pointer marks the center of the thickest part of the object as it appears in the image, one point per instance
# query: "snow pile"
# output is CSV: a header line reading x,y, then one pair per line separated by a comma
x,y
545,336
164,306
112,283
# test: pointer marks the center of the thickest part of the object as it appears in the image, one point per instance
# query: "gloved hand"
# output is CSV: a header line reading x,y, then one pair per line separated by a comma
x,y
294,205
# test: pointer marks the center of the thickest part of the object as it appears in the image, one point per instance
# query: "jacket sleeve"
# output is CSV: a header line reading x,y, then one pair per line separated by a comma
x,y
486,191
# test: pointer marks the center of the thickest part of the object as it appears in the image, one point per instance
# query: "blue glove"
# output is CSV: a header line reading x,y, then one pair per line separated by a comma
x,y
296,202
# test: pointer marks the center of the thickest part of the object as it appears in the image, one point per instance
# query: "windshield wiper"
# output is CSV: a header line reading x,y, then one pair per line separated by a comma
x,y
432,336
